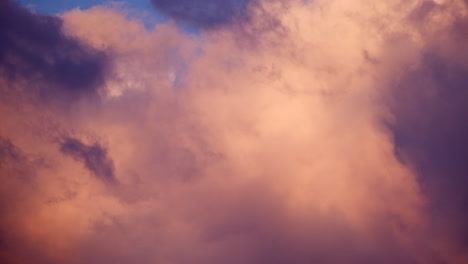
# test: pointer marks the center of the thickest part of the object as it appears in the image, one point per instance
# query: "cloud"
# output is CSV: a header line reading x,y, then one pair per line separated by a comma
x,y
204,14
319,144
429,104
94,157
17,172
7,151
34,48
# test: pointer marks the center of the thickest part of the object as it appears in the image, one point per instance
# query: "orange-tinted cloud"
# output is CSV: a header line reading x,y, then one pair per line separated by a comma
x,y
277,140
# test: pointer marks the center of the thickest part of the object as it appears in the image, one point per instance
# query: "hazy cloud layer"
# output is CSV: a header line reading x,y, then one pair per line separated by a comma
x,y
310,132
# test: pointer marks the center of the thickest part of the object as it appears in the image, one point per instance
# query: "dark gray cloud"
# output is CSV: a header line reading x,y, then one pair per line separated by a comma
x,y
430,107
34,48
94,157
203,13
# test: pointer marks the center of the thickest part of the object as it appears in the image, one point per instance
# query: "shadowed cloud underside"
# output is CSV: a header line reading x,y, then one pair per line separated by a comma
x,y
34,48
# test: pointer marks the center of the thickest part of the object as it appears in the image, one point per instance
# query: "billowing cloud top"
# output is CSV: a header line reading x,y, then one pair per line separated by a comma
x,y
325,131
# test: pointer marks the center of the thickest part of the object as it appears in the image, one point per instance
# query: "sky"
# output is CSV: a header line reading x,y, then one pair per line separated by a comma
x,y
54,7
234,131
143,9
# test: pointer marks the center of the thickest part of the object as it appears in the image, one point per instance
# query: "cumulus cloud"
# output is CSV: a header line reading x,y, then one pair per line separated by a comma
x,y
324,142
